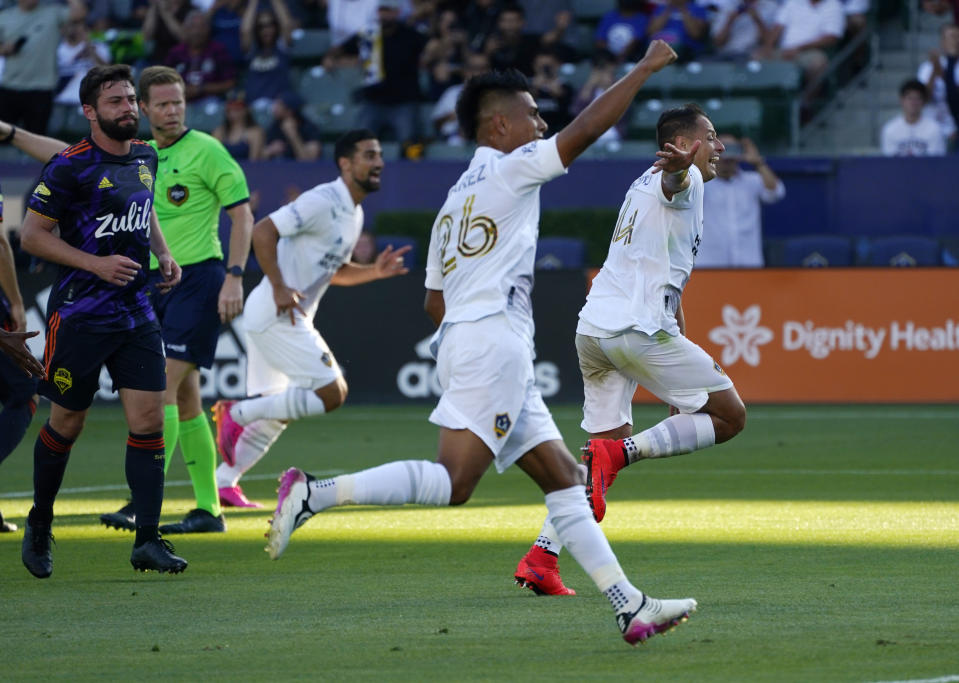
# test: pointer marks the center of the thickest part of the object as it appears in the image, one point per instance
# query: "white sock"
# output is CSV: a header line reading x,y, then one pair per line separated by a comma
x,y
395,483
254,442
291,404
673,436
548,540
577,530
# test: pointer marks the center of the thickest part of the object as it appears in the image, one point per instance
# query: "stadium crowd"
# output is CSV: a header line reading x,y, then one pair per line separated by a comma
x,y
261,74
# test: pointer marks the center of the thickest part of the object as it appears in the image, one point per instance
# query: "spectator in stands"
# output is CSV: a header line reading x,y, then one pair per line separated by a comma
x,y
803,31
509,47
163,25
857,16
480,18
940,75
266,36
682,24
552,95
310,14
390,53
291,136
243,138
622,31
77,53
739,28
551,20
29,34
732,216
204,64
445,124
444,54
225,18
602,75
912,133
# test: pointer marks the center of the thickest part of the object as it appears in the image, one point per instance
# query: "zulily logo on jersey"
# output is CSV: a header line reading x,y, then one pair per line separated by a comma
x,y
136,218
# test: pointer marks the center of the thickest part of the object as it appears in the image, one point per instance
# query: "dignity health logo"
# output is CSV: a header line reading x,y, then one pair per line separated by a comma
x,y
741,336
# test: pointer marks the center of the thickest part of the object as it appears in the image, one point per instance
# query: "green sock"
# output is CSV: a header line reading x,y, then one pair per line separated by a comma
x,y
199,454
171,430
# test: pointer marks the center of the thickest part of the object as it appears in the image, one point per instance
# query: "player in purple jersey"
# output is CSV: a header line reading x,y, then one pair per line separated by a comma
x,y
99,193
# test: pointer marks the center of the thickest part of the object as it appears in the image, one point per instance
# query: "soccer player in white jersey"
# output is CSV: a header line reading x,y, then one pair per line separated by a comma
x,y
303,248
479,278
632,329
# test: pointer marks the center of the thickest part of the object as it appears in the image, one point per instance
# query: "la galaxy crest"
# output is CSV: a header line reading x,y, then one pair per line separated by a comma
x,y
501,425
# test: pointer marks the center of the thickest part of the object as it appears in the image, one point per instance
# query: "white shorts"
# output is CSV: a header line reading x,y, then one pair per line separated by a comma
x,y
674,369
485,369
283,355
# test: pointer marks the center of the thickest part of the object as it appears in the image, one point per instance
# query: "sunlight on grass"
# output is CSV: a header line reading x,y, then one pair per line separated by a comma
x,y
915,525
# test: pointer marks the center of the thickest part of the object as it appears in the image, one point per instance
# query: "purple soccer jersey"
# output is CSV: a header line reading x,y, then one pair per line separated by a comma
x,y
102,205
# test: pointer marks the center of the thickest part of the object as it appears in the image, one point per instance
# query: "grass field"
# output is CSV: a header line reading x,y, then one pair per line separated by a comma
x,y
822,545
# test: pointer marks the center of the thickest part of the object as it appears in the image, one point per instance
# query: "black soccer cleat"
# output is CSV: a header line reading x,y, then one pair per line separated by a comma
x,y
5,526
36,553
157,555
196,522
125,518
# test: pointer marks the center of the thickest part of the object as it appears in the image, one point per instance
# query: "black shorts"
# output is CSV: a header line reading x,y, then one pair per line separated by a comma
x,y
188,314
75,353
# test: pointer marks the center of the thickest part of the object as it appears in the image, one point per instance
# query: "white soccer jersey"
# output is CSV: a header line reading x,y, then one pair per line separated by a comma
x,y
318,231
651,253
483,244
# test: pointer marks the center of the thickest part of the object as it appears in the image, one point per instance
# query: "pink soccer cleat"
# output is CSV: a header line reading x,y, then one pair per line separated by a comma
x,y
604,459
539,571
653,616
233,497
227,430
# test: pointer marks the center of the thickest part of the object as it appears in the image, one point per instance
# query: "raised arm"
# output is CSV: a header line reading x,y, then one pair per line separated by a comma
x,y
40,147
608,108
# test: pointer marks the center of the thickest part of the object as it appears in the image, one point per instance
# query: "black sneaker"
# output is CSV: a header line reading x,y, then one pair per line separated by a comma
x,y
36,554
5,526
157,555
124,518
196,522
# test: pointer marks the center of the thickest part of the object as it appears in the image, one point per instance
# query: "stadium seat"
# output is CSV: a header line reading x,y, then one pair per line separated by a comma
x,y
698,79
332,119
397,241
555,253
623,149
905,250
206,116
319,85
740,115
817,251
444,152
309,45
592,10
575,74
772,76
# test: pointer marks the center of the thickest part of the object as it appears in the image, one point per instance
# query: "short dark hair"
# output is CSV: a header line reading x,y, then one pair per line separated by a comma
x,y
475,93
99,76
677,121
346,144
914,85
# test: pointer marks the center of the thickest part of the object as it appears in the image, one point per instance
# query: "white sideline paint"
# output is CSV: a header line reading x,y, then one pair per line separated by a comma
x,y
181,482
941,679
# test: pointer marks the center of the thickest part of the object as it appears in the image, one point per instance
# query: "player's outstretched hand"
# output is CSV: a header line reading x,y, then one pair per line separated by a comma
x,y
658,55
673,160
287,300
171,272
116,269
14,345
389,262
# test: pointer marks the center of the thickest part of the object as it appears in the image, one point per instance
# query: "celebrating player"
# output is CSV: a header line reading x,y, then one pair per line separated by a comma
x,y
632,329
303,248
479,280
99,193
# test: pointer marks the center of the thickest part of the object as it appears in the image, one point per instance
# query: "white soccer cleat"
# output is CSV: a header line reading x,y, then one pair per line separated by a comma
x,y
653,616
292,510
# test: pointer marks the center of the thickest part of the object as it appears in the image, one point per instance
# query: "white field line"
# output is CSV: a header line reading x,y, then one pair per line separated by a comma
x,y
180,482
942,679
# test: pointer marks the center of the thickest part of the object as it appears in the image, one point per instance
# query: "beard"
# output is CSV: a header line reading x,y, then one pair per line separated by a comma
x,y
120,132
367,185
